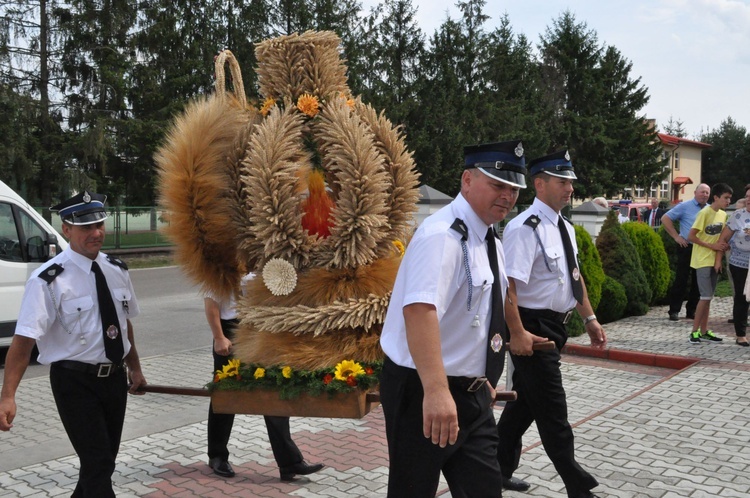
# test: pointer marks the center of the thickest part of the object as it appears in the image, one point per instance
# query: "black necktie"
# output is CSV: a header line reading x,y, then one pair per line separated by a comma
x,y
113,347
496,333
575,275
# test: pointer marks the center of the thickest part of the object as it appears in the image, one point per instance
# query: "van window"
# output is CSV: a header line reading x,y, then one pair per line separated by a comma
x,y
10,247
33,236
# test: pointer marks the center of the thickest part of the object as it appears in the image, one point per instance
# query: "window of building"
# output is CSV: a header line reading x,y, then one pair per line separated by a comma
x,y
664,190
677,161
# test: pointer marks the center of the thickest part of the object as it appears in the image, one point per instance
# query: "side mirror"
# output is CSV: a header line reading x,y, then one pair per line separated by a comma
x,y
36,249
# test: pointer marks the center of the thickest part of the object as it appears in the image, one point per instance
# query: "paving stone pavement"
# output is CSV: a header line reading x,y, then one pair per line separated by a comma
x,y
642,431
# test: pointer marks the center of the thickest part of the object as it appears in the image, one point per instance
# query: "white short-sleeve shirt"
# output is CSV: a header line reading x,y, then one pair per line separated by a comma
x,y
63,316
538,264
433,272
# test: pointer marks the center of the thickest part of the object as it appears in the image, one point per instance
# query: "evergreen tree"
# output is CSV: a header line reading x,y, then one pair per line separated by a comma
x,y
728,158
175,44
516,107
451,110
620,261
675,128
96,58
30,76
397,49
596,110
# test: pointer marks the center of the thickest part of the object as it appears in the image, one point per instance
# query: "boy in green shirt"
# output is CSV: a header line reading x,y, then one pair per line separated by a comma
x,y
704,235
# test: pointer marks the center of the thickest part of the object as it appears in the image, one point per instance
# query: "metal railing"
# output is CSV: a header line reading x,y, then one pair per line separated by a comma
x,y
130,226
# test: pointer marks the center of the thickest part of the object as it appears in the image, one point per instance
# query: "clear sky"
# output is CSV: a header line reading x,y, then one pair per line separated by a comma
x,y
692,55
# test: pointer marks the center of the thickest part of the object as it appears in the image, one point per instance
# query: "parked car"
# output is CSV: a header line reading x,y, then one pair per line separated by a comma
x,y
26,241
633,211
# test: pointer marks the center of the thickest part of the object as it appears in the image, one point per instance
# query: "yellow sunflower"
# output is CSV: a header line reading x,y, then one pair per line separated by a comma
x,y
259,373
308,104
399,246
231,369
348,368
287,372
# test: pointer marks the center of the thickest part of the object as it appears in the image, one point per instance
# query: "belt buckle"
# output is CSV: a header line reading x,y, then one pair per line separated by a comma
x,y
567,317
476,384
105,369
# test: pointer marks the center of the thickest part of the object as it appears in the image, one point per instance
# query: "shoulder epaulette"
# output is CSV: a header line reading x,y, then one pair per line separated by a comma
x,y
117,262
459,226
50,274
532,221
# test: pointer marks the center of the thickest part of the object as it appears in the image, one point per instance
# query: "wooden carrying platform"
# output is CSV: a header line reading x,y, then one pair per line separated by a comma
x,y
356,404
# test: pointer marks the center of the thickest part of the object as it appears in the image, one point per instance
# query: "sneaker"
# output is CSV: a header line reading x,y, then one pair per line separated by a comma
x,y
673,317
695,337
710,336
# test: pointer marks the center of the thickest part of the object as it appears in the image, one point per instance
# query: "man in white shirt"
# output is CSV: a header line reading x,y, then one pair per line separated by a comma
x,y
77,309
443,336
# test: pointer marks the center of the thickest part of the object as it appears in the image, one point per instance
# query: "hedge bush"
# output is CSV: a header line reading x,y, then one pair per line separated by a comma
x,y
614,301
653,257
620,261
590,265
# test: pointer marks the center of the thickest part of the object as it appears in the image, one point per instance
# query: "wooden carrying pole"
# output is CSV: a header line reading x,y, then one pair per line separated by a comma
x,y
373,397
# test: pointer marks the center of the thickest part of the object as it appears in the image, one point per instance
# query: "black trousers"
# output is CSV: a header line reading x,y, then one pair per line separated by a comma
x,y
739,310
683,273
415,463
537,380
92,410
285,451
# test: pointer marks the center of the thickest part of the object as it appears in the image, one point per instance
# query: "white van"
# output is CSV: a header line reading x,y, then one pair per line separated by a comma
x,y
26,241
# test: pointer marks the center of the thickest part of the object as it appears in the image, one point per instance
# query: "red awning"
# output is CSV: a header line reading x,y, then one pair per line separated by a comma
x,y
682,180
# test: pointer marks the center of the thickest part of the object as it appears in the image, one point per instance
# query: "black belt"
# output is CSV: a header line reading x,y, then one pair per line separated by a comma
x,y
470,384
100,369
557,316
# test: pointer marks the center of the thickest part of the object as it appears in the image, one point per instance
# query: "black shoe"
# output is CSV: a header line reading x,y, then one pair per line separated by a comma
x,y
689,316
221,467
302,468
743,344
731,320
673,317
515,484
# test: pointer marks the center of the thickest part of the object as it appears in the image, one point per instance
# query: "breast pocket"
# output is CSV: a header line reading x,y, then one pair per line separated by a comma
x,y
481,290
122,296
555,256
76,305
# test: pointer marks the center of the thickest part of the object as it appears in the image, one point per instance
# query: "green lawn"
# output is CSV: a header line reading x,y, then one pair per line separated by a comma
x,y
136,239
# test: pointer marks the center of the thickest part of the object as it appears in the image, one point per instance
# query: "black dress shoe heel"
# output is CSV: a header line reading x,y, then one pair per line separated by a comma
x,y
221,467
515,484
302,468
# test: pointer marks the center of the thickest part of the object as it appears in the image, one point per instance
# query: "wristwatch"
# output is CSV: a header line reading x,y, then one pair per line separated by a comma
x,y
588,319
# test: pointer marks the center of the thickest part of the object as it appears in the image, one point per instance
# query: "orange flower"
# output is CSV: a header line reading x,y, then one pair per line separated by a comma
x,y
351,381
327,379
308,104
369,370
267,106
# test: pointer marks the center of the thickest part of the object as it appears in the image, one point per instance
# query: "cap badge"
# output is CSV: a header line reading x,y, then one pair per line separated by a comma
x,y
519,149
567,156
86,197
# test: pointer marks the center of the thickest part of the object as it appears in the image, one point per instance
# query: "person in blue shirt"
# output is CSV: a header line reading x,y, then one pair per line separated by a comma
x,y
684,213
